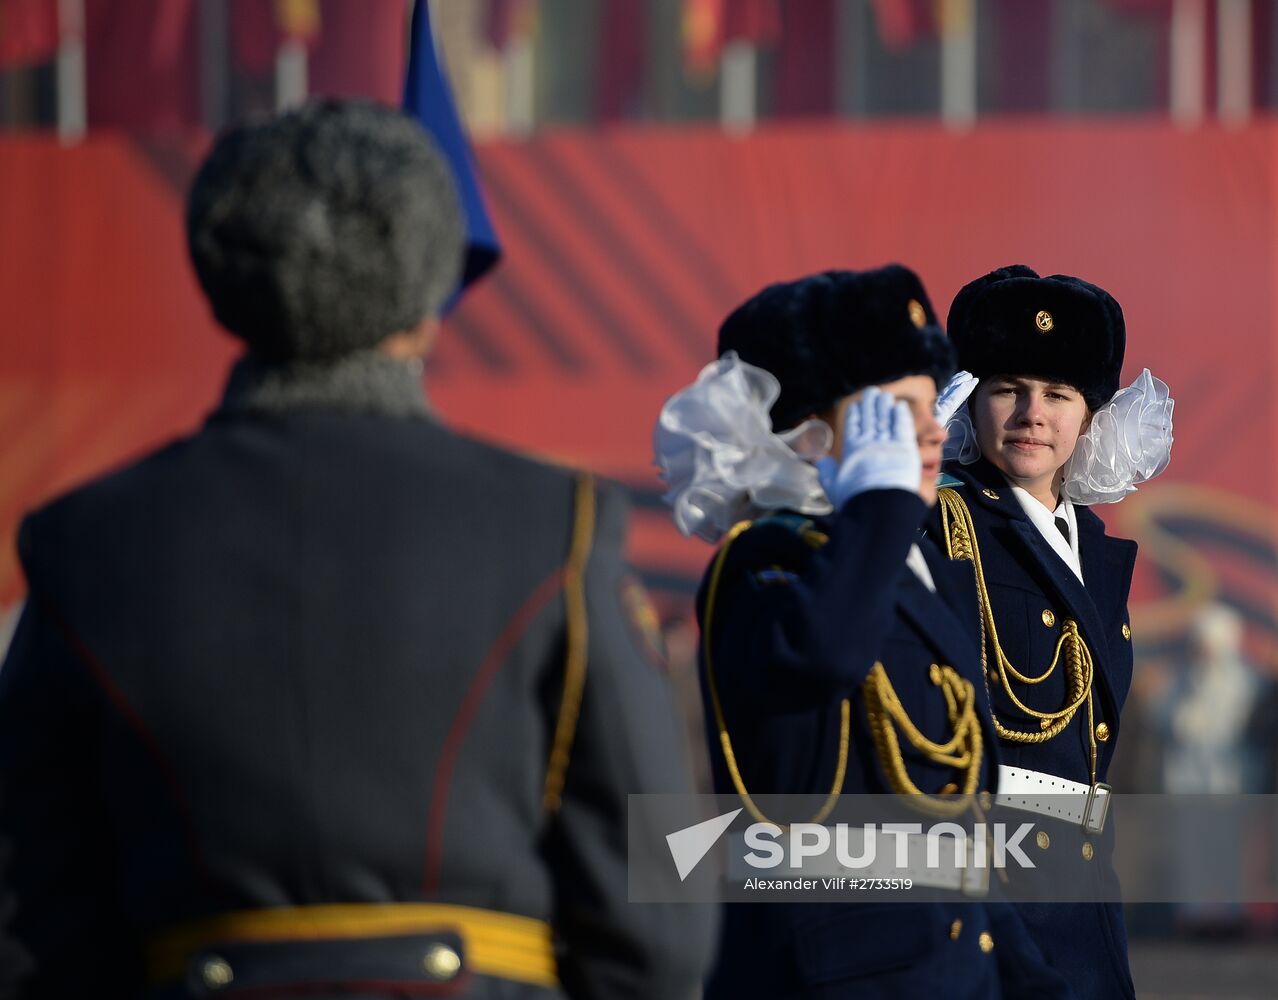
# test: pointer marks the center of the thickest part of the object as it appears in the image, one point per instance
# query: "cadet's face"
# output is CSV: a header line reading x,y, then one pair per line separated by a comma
x,y
1028,427
919,391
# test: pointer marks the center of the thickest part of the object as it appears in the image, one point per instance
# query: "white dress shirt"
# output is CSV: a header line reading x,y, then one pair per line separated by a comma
x,y
1045,521
917,563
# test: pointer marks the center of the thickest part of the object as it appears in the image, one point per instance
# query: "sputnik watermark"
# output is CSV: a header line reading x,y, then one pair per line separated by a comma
x,y
689,845
1153,848
857,847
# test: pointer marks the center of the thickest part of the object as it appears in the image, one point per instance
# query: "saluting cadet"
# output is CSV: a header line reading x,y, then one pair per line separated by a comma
x,y
1045,434
327,699
831,631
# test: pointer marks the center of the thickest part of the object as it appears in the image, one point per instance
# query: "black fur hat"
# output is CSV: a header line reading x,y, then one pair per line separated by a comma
x,y
1012,322
828,335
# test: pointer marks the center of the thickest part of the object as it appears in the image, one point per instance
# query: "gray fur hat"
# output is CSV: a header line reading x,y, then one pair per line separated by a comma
x,y
322,231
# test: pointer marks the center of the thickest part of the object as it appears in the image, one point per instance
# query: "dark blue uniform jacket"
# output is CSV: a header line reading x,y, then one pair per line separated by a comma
x,y
797,623
1033,593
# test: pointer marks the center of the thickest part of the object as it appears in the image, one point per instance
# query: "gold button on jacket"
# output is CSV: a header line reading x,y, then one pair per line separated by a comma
x,y
441,962
216,973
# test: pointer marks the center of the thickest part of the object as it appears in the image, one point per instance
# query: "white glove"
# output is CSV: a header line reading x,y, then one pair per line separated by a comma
x,y
960,435
954,395
880,450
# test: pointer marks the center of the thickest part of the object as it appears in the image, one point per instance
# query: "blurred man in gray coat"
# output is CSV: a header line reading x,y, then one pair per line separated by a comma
x,y
327,698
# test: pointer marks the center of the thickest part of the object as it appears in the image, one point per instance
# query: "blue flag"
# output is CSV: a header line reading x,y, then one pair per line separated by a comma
x,y
428,99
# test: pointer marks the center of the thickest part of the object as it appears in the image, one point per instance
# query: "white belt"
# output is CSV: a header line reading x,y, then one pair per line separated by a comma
x,y
1048,795
966,877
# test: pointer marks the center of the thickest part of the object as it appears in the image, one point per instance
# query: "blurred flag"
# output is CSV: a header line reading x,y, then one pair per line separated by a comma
x,y
804,79
755,21
353,49
708,25
28,32
139,71
426,96
361,51
623,56
702,30
1159,8
260,27
298,19
903,22
1023,67
509,19
954,17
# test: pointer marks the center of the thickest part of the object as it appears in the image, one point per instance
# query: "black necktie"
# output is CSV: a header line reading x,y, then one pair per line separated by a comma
x,y
1064,526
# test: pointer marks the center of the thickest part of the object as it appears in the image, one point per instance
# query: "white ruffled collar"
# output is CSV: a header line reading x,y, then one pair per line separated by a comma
x,y
720,458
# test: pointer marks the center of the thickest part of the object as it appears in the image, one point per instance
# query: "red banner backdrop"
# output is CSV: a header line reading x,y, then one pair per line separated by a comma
x,y
625,248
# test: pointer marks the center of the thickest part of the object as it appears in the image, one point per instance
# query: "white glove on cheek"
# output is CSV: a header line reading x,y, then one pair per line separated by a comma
x,y
954,395
880,450
960,435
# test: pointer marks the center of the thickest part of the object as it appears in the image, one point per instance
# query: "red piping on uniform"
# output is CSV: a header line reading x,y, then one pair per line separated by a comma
x,y
390,987
466,713
134,722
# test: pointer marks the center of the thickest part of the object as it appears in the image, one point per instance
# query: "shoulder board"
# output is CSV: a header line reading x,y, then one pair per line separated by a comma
x,y
948,482
775,575
771,550
797,524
